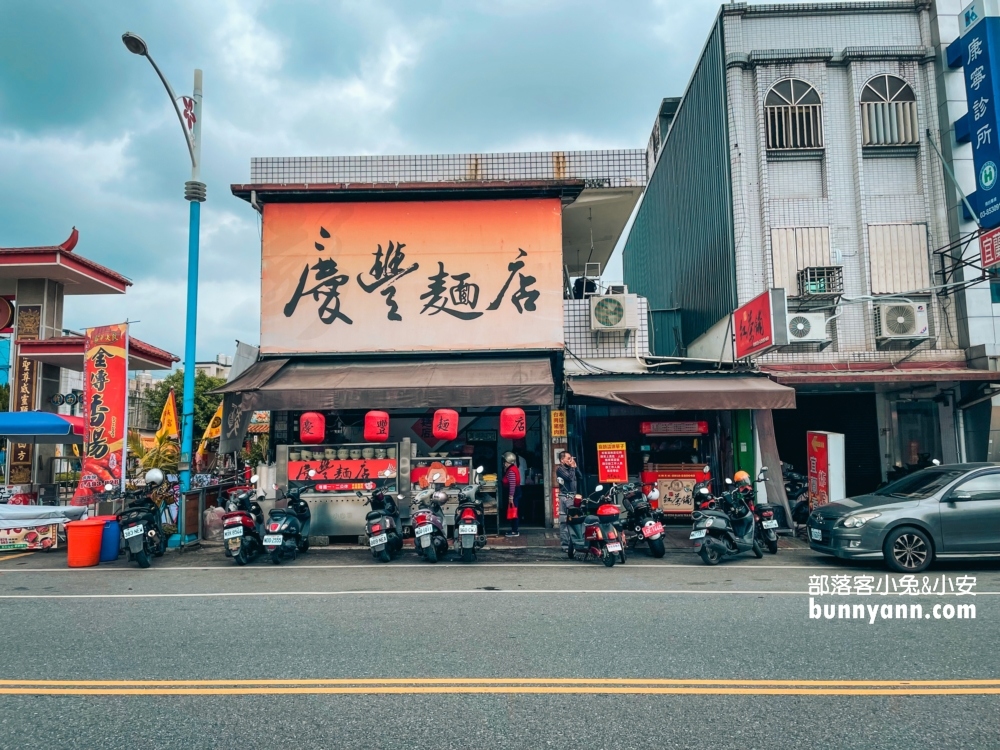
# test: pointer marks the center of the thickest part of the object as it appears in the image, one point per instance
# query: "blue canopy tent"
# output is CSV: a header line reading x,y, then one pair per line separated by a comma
x,y
41,427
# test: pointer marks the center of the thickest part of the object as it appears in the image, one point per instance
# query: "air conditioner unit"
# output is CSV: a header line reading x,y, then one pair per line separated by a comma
x,y
901,320
807,328
614,312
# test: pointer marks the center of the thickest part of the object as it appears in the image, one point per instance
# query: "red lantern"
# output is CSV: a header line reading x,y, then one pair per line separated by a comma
x,y
445,426
376,427
312,427
512,423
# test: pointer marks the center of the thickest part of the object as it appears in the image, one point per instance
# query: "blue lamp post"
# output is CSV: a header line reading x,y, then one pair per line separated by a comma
x,y
194,192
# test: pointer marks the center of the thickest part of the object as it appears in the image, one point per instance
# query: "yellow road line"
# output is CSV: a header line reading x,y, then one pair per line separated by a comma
x,y
5,558
509,690
491,681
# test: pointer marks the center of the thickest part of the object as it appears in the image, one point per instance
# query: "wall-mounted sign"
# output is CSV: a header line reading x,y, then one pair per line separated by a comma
x,y
989,248
759,325
481,436
7,313
825,468
558,423
612,463
22,393
412,276
674,428
980,43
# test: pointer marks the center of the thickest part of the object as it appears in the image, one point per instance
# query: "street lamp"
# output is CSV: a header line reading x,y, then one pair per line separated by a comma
x,y
194,192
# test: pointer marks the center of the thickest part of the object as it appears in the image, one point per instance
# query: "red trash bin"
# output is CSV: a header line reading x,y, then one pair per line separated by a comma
x,y
83,542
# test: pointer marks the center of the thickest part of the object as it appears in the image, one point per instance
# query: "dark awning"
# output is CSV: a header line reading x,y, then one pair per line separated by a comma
x,y
309,384
678,392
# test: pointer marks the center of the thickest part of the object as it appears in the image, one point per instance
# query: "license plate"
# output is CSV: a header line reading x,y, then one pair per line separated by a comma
x,y
232,532
772,524
614,547
378,539
468,529
273,540
423,530
816,534
132,531
652,530
698,534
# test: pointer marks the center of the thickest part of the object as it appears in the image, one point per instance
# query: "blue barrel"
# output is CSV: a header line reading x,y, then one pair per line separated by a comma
x,y
110,539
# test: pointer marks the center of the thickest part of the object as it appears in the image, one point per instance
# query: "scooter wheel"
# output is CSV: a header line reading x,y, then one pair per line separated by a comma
x,y
757,551
276,557
772,546
709,554
430,554
607,558
384,556
304,546
657,548
241,556
468,553
142,558
570,552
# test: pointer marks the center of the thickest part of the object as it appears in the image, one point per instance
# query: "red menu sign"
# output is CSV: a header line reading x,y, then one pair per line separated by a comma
x,y
818,458
989,248
612,465
753,326
105,385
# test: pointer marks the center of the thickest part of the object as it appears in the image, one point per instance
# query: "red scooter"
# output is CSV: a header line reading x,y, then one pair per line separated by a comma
x,y
242,525
593,529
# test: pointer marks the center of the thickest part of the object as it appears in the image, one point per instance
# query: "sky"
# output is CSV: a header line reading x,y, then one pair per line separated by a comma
x,y
88,137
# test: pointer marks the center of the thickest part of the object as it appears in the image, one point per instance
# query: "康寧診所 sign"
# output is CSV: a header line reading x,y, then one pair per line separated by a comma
x,y
980,43
412,276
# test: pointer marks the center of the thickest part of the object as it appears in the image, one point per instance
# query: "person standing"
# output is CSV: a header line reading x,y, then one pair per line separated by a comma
x,y
512,486
571,479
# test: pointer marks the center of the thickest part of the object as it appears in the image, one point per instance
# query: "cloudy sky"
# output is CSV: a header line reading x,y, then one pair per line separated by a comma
x,y
88,136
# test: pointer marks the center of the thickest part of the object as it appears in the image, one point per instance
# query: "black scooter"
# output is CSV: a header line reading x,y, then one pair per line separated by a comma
x,y
723,533
642,523
287,531
470,520
382,525
141,529
242,526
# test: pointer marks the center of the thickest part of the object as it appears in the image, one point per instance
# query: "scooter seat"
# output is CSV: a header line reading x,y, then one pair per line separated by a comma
x,y
591,520
374,515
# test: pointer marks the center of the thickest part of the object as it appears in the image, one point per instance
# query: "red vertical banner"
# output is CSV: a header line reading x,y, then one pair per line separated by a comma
x,y
818,455
105,392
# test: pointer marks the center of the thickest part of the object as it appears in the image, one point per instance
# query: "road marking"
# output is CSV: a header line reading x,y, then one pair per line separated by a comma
x,y
395,566
419,592
534,686
5,558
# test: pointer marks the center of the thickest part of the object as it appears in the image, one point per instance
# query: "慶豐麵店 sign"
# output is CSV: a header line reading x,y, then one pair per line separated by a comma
x,y
412,276
612,464
680,429
105,390
754,329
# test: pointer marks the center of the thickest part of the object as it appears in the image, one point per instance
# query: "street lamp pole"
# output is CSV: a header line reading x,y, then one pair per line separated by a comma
x,y
194,193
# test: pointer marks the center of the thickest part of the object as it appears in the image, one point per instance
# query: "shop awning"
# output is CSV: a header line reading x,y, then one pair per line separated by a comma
x,y
285,384
678,392
41,427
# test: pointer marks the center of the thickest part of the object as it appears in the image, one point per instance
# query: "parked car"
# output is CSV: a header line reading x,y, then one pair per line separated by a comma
x,y
942,512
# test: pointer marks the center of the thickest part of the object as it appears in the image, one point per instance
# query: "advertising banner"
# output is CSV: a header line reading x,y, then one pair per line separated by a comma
x,y
818,460
675,484
39,537
612,466
680,429
105,374
412,276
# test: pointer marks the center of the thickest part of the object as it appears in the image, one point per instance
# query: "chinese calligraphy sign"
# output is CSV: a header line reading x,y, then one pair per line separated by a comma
x,y
105,392
22,393
980,41
753,324
412,276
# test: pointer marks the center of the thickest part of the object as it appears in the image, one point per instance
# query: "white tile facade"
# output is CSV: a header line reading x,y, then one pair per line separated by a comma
x,y
836,47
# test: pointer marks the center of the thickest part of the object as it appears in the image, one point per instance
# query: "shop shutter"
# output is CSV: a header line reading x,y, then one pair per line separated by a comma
x,y
897,255
794,248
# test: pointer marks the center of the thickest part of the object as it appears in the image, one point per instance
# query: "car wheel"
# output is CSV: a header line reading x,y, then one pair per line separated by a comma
x,y
908,550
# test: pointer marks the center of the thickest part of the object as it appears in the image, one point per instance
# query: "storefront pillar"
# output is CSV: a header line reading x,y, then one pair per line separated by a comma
x,y
547,464
763,422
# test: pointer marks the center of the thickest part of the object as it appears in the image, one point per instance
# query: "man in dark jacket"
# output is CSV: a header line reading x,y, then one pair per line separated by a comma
x,y
571,479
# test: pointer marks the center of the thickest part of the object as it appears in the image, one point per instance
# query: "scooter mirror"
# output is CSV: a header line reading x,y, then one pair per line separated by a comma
x,y
728,480
312,473
400,497
436,477
936,462
704,491
763,469
561,482
706,470
108,487
253,479
358,493
598,488
479,469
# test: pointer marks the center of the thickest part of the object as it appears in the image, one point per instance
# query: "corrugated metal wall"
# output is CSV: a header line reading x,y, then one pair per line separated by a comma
x,y
680,252
795,248
897,255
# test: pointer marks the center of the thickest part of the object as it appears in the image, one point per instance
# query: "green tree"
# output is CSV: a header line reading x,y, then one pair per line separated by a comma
x,y
5,397
205,403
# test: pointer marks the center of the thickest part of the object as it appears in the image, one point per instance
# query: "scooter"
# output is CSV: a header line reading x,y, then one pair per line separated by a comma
x,y
470,525
140,524
763,515
288,527
642,522
382,525
430,539
723,533
242,525
592,529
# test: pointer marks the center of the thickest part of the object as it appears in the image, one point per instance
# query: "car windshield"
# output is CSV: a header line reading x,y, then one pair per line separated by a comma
x,y
920,485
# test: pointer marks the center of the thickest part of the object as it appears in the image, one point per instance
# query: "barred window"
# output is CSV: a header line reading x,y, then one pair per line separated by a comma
x,y
793,113
888,113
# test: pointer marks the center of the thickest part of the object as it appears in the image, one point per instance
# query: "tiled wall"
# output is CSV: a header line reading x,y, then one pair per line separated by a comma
x,y
585,344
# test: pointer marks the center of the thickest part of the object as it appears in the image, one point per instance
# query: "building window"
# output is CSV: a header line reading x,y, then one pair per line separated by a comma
x,y
888,113
793,113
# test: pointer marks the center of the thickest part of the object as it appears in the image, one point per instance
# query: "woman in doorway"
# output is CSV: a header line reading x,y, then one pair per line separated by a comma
x,y
512,485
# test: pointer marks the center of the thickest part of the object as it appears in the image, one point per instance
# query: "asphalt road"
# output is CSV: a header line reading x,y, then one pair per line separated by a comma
x,y
513,652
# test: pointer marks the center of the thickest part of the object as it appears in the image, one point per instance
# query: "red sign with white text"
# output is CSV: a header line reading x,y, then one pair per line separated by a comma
x,y
674,428
105,390
818,458
753,326
612,465
989,248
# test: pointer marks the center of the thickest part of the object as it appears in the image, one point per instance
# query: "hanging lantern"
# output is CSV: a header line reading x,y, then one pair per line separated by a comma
x,y
312,427
376,427
445,426
512,423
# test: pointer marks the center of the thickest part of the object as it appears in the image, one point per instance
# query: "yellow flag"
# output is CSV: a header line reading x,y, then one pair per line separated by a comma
x,y
213,431
168,419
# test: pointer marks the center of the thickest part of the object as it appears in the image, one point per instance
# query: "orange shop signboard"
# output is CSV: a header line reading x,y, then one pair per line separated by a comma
x,y
412,276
